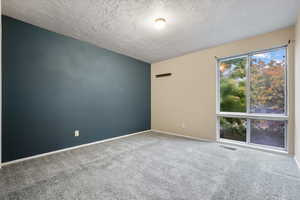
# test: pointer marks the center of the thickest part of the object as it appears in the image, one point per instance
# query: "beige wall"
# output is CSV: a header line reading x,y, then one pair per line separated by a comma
x,y
297,92
185,103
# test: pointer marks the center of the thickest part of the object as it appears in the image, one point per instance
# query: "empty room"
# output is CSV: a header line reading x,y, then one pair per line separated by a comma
x,y
150,100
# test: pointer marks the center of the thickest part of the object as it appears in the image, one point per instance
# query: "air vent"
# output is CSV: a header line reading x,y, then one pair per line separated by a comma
x,y
229,148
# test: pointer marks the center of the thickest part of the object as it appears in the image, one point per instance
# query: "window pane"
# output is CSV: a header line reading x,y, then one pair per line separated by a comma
x,y
266,132
267,82
233,128
233,85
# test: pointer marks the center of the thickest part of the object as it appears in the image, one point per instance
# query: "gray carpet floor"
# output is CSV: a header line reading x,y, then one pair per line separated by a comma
x,y
154,166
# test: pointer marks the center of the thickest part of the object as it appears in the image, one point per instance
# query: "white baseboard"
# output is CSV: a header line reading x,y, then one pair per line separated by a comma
x,y
180,135
223,142
254,147
297,162
68,149
111,139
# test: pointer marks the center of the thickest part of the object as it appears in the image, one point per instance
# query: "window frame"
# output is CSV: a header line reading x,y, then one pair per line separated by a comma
x,y
247,115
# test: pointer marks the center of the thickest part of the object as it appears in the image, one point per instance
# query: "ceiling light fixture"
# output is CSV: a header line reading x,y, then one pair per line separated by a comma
x,y
160,23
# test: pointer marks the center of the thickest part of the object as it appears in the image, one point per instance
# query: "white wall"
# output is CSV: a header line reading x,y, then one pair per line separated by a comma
x,y
297,92
189,96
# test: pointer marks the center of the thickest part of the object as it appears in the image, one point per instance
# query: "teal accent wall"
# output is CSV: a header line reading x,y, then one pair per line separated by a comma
x,y
54,85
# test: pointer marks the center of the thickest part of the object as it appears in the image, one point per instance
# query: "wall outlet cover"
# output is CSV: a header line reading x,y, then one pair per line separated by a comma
x,y
77,133
183,125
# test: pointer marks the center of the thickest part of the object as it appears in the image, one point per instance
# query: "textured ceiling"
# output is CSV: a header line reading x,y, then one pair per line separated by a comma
x,y
126,26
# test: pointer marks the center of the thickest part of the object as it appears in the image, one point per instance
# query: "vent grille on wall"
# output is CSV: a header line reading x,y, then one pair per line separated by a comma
x,y
163,75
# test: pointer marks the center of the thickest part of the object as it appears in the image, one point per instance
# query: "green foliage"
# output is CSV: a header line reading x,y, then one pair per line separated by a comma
x,y
233,128
233,98
233,85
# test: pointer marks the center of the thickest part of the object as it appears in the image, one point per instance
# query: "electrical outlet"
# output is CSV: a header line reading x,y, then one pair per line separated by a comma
x,y
182,125
76,133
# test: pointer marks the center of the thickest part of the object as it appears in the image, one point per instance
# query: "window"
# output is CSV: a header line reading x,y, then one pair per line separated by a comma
x,y
252,98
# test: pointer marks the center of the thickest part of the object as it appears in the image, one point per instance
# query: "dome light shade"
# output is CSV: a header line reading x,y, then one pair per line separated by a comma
x,y
160,23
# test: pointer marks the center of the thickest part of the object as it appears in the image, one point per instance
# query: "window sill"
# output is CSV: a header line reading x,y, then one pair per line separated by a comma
x,y
253,116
